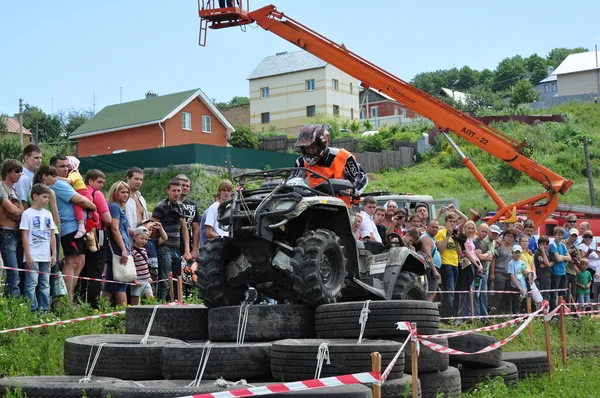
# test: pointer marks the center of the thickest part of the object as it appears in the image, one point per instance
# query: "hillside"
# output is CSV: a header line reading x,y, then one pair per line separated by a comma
x,y
558,146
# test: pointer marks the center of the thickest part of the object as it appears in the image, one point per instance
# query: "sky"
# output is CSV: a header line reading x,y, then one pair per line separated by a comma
x,y
81,54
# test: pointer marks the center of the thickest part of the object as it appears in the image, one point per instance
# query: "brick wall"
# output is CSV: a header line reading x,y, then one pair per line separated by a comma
x,y
237,115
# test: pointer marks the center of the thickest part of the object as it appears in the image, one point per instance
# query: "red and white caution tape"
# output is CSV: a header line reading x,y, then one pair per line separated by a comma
x,y
43,325
335,381
494,291
400,326
482,329
492,347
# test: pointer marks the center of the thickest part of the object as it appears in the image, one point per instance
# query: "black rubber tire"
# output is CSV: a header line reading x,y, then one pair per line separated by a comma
x,y
445,384
429,360
265,322
401,388
55,386
351,391
470,377
528,362
408,287
340,320
250,361
212,261
183,322
158,389
473,343
317,282
122,356
296,359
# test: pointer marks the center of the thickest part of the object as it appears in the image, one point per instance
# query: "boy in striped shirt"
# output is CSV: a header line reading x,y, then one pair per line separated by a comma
x,y
142,266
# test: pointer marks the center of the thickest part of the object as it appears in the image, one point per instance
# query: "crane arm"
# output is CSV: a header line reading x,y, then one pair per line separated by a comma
x,y
445,117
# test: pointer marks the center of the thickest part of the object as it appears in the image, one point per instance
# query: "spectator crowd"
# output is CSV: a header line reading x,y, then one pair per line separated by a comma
x,y
48,208
480,259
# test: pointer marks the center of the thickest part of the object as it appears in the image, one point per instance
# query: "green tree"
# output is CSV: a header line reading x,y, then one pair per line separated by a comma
x,y
235,101
467,78
50,126
482,97
523,92
537,68
557,55
2,124
244,137
72,119
374,143
10,147
486,77
509,70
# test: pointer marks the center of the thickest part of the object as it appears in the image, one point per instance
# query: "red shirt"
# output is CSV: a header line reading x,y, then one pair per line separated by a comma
x,y
100,202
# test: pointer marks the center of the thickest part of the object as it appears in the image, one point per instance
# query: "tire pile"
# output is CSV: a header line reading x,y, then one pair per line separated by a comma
x,y
280,343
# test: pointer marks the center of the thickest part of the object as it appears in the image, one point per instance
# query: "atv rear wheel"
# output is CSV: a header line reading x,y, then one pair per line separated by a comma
x,y
213,259
408,287
319,267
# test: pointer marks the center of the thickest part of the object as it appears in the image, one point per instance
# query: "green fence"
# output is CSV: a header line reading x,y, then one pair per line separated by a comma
x,y
189,154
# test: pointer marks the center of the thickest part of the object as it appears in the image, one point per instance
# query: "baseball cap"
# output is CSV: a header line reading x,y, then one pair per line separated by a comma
x,y
574,231
140,231
495,229
517,248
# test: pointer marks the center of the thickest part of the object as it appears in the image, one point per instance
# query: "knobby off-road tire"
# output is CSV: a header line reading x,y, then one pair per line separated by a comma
x,y
470,377
55,386
429,360
250,361
296,359
408,287
319,267
446,383
123,356
528,362
213,259
265,322
184,322
473,343
158,389
340,320
400,388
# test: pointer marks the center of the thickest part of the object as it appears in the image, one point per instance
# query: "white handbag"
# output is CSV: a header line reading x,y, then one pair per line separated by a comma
x,y
123,272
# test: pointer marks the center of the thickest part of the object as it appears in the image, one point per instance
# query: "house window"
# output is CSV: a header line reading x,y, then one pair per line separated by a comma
x,y
265,118
335,84
395,111
546,88
553,86
186,120
350,88
310,111
264,92
206,124
351,109
310,85
336,109
374,112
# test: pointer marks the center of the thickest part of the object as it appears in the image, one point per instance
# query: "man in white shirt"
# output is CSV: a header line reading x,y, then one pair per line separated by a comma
x,y
367,227
211,224
135,207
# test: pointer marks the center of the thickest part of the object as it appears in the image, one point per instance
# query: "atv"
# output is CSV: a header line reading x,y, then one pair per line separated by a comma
x,y
294,243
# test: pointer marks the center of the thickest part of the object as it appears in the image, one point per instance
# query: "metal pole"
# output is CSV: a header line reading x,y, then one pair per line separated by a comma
x,y
37,132
21,121
588,165
229,166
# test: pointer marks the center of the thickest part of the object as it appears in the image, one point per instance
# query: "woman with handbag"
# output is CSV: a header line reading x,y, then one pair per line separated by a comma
x,y
120,245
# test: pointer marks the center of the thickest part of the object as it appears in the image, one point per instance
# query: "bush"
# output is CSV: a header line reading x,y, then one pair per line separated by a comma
x,y
10,147
374,143
244,137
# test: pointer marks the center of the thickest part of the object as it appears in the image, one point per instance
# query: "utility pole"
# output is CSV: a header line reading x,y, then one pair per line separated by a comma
x,y
21,121
94,102
37,132
588,164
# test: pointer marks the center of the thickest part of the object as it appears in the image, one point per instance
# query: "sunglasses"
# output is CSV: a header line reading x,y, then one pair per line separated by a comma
x,y
571,222
587,237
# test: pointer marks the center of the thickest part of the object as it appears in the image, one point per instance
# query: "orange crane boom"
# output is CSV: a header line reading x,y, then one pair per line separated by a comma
x,y
446,118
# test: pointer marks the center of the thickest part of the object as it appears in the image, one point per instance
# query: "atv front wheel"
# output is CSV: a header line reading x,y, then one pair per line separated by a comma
x,y
213,259
409,287
319,267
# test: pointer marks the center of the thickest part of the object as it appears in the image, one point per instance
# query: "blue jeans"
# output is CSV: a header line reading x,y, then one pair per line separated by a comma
x,y
9,240
480,296
41,300
169,260
583,298
56,266
558,282
449,275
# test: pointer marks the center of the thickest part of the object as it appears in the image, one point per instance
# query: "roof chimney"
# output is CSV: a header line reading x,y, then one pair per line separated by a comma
x,y
550,70
150,94
281,53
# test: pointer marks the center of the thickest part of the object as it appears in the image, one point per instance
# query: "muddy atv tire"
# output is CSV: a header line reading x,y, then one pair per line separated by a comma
x,y
409,287
319,267
213,259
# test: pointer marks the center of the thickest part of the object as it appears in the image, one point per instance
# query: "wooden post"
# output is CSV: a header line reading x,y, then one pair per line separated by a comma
x,y
171,289
548,346
180,288
563,333
472,302
414,363
376,367
530,326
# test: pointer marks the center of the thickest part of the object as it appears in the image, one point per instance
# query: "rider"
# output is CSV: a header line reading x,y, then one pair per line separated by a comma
x,y
330,162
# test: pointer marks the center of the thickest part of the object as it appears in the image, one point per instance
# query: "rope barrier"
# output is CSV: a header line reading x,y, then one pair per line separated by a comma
x,y
362,320
322,355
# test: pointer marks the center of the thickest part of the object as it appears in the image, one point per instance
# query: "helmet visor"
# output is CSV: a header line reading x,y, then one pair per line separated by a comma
x,y
305,138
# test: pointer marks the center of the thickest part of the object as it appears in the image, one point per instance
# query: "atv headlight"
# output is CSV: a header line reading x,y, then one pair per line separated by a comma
x,y
285,205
